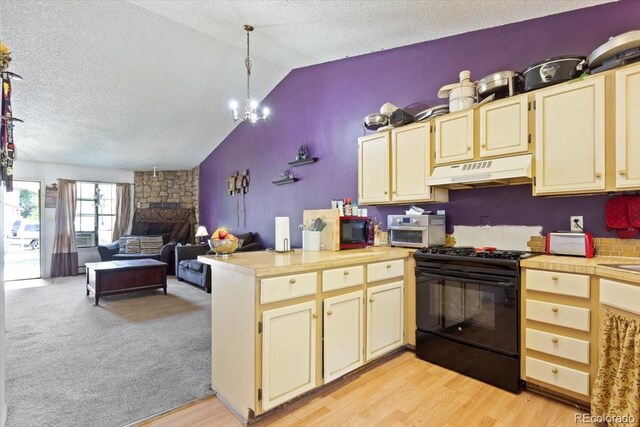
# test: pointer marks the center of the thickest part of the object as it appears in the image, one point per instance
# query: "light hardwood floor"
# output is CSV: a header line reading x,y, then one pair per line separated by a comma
x,y
403,391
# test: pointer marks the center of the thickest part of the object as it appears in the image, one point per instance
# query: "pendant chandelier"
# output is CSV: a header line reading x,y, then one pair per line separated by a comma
x,y
250,113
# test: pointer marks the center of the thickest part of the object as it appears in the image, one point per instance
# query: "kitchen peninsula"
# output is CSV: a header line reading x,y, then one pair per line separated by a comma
x,y
284,324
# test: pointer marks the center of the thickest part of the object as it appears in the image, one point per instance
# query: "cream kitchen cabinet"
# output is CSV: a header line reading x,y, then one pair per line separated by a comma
x,y
288,353
393,167
374,184
410,163
570,138
343,334
559,332
627,105
504,127
296,321
385,318
454,137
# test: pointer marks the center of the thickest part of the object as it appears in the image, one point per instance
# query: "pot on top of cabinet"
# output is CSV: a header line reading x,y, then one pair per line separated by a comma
x,y
501,84
620,50
375,121
552,71
432,112
461,95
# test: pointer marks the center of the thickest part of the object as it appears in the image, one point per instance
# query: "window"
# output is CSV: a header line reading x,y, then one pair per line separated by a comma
x,y
95,213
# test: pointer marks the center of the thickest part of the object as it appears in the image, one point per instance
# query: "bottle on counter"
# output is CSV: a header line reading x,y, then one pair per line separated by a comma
x,y
347,207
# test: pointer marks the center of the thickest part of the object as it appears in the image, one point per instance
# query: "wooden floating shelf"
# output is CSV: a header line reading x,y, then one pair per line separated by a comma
x,y
285,181
303,161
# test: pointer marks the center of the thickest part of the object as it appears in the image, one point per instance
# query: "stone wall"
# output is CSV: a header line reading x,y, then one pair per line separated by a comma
x,y
180,186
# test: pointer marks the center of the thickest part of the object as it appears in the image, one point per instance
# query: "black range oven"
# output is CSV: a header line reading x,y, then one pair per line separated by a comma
x,y
467,312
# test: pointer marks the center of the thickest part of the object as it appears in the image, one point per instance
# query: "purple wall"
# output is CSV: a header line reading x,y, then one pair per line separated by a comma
x,y
322,106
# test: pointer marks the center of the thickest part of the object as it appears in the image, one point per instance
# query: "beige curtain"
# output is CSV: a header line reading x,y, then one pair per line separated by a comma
x,y
123,210
616,390
64,261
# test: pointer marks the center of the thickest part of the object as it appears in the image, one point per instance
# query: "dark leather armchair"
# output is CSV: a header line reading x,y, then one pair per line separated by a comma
x,y
189,269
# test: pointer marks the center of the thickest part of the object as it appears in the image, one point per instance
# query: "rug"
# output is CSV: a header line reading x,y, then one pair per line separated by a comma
x,y
70,363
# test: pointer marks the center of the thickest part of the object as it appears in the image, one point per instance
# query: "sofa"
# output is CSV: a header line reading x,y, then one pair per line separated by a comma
x,y
165,251
175,225
189,269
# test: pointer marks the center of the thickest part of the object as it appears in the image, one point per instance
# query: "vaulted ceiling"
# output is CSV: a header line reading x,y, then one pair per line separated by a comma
x,y
138,84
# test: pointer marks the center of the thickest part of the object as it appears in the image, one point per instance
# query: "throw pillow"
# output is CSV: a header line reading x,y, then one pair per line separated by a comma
x,y
150,244
133,245
129,245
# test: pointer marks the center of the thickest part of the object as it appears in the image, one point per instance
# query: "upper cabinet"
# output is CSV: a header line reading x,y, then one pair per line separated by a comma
x,y
373,169
570,138
504,127
394,167
453,140
410,163
627,107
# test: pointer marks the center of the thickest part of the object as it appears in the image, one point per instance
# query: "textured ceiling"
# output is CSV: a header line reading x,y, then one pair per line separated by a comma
x,y
138,84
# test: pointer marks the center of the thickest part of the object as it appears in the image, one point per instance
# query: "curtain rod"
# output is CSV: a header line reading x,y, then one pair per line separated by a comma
x,y
96,182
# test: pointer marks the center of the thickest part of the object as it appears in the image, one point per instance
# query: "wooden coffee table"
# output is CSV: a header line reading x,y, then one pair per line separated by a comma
x,y
119,277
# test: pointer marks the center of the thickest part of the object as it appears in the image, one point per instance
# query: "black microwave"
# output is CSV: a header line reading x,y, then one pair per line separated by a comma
x,y
355,232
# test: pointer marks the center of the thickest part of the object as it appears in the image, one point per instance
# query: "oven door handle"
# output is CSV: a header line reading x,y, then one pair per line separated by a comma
x,y
399,228
500,284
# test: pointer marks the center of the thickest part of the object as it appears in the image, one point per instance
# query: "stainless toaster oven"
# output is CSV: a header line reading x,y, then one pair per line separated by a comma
x,y
416,231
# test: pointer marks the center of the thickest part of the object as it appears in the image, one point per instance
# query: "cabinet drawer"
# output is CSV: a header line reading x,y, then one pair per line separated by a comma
x,y
287,287
559,314
558,345
385,270
559,376
620,295
558,283
342,278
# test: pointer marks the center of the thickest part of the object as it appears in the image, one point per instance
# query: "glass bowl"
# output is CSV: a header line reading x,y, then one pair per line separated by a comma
x,y
224,247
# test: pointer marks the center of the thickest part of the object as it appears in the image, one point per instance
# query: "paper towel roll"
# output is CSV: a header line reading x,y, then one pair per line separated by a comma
x,y
283,239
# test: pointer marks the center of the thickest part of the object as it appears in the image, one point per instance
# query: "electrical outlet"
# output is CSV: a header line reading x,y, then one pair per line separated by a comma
x,y
577,223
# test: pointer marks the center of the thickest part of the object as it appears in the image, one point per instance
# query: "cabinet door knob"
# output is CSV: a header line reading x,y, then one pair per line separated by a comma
x,y
371,299
468,148
554,277
598,174
386,192
554,309
554,370
329,313
622,172
393,192
292,281
554,340
483,145
314,315
388,265
346,272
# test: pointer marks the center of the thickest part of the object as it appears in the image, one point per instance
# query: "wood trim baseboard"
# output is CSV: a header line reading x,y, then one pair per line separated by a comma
x,y
163,414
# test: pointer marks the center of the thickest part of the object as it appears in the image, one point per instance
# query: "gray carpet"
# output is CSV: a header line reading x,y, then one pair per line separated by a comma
x,y
70,363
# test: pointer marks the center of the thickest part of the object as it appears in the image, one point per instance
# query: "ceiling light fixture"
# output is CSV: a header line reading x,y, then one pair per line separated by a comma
x,y
250,105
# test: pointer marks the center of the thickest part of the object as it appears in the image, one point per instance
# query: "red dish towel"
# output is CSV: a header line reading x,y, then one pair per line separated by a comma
x,y
634,211
617,217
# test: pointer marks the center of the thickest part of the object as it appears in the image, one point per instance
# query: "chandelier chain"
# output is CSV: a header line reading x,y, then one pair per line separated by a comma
x,y
247,63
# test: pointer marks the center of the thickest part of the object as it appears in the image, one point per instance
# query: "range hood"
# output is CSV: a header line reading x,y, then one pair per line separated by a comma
x,y
503,171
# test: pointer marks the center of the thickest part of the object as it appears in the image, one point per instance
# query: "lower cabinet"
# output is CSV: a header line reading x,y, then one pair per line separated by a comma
x,y
385,319
343,334
559,332
288,353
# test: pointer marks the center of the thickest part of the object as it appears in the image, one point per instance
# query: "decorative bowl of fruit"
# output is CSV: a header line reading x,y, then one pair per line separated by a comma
x,y
223,243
